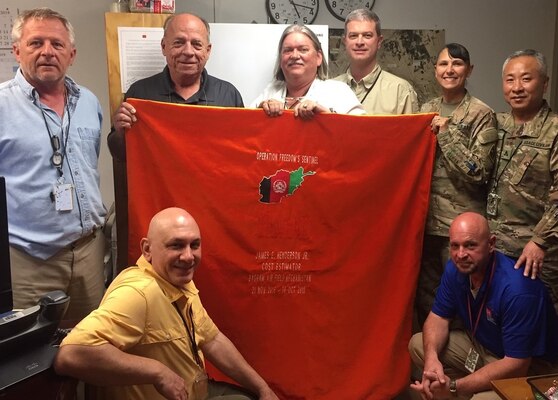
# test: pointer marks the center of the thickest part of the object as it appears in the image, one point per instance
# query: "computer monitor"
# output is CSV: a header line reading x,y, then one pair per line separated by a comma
x,y
6,300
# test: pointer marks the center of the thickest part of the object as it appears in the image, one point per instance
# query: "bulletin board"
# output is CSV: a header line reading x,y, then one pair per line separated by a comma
x,y
112,22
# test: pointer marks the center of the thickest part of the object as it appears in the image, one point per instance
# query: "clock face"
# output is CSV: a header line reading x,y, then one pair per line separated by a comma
x,y
292,11
340,8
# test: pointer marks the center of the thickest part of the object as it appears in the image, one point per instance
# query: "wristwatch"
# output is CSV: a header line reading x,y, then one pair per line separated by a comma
x,y
453,387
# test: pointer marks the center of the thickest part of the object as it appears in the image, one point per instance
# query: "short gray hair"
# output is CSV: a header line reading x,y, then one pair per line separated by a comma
x,y
40,14
363,14
537,55
171,17
322,69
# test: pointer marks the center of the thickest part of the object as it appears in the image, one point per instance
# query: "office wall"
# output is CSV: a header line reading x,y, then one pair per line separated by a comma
x,y
490,29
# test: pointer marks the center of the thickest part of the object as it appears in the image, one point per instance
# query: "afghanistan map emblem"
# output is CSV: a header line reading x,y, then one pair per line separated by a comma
x,y
283,183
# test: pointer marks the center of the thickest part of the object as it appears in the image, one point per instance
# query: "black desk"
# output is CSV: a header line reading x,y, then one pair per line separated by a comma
x,y
28,374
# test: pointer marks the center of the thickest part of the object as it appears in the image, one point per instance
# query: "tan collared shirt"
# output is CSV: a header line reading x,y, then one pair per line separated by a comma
x,y
382,93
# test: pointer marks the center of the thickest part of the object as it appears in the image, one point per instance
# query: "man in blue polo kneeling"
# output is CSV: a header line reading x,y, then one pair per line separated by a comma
x,y
510,324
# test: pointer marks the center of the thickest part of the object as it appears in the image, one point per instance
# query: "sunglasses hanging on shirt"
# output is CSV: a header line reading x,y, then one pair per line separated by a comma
x,y
56,158
58,154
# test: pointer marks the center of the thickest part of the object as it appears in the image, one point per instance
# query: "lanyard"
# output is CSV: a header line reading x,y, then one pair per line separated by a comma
x,y
57,158
191,334
495,174
470,299
371,87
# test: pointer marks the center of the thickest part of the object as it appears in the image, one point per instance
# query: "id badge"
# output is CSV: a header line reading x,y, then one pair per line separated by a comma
x,y
63,197
492,204
200,386
471,361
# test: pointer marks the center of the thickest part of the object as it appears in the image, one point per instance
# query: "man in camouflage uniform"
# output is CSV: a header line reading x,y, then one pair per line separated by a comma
x,y
522,203
466,132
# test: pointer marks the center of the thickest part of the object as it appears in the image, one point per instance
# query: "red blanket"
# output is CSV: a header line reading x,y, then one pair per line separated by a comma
x,y
312,234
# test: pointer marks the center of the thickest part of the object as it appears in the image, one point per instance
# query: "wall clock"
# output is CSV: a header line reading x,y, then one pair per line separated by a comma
x,y
340,8
292,11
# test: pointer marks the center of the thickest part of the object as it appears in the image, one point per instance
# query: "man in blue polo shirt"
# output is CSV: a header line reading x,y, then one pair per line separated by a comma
x,y
511,327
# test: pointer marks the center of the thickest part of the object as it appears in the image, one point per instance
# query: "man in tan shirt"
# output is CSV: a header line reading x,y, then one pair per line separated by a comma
x,y
379,91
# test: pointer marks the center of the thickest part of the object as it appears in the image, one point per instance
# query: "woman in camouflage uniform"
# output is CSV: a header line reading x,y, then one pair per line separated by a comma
x,y
466,132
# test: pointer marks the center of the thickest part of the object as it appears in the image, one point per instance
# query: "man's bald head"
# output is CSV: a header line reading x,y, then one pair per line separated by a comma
x,y
471,222
173,245
167,218
471,243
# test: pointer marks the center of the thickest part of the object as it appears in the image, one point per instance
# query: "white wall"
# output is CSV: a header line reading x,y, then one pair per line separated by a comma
x,y
490,29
